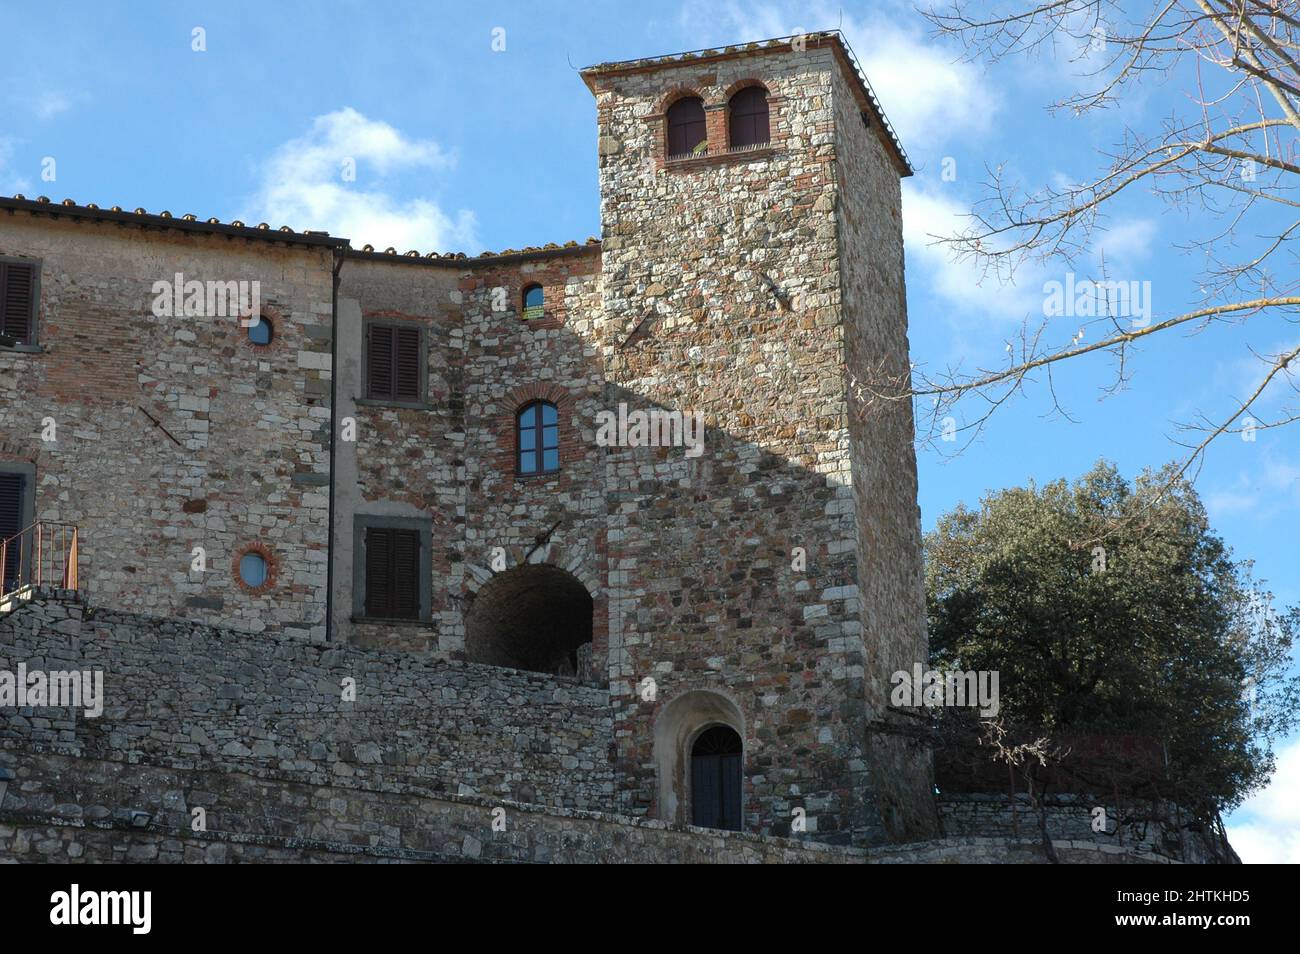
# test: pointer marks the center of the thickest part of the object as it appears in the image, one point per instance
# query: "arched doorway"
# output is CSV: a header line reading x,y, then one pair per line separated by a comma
x,y
699,760
536,617
716,760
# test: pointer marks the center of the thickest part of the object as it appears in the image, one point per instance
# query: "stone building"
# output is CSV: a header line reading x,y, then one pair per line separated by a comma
x,y
400,469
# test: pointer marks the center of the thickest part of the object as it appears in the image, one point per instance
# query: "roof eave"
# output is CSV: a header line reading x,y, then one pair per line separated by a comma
x,y
167,222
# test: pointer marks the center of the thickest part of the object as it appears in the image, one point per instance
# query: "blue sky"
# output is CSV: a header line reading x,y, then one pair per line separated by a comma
x,y
460,147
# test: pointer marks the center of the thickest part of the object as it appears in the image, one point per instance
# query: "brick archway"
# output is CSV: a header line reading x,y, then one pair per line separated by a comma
x,y
536,617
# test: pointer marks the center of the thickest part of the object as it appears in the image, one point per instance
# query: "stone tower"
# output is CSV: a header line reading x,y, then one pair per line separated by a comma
x,y
771,584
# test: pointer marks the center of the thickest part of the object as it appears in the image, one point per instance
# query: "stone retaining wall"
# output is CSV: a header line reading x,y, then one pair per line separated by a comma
x,y
180,694
69,809
1146,829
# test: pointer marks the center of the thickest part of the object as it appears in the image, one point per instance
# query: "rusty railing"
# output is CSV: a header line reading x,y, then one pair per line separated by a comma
x,y
45,554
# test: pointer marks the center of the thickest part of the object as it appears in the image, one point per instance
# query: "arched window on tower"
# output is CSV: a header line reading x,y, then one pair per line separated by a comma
x,y
715,779
537,438
534,302
748,120
686,131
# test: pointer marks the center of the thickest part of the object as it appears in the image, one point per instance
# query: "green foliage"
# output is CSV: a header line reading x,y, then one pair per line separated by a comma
x,y
1112,608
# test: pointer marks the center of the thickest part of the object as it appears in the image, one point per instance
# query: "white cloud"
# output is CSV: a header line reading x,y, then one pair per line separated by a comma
x,y
1270,487
35,96
1125,244
303,186
10,180
50,104
1243,376
975,295
1266,829
930,99
1229,501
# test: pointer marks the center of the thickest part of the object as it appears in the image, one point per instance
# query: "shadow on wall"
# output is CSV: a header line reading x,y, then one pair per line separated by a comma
x,y
731,569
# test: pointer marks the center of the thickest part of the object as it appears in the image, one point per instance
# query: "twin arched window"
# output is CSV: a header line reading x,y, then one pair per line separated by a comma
x,y
537,438
747,123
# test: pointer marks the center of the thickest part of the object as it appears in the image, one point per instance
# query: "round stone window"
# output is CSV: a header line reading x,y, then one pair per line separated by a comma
x,y
253,570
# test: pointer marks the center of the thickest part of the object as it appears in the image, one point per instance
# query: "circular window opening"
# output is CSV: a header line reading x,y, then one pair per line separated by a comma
x,y
260,331
253,570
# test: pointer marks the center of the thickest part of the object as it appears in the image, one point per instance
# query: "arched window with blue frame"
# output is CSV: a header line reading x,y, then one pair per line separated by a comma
x,y
537,433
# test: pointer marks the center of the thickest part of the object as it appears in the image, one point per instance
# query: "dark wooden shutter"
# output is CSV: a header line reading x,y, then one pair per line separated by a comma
x,y
749,117
406,574
379,358
11,520
406,362
17,285
686,128
392,573
379,572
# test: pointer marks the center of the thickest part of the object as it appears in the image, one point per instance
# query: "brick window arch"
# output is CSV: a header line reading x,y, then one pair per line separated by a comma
x,y
747,118
255,568
686,126
259,332
537,438
534,301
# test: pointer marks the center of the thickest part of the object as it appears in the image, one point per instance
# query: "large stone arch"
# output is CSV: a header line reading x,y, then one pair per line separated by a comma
x,y
535,616
677,726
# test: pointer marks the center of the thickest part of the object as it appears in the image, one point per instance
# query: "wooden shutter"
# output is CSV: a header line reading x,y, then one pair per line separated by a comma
x,y
379,572
17,286
406,363
749,117
11,520
406,574
686,127
379,358
392,573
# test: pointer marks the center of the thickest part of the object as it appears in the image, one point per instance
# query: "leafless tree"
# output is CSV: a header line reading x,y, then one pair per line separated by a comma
x,y
1229,154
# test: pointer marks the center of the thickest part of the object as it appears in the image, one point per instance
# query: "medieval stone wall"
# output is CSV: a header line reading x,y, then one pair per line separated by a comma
x,y
560,518
452,460
180,694
891,587
68,810
78,810
739,570
768,584
239,454
1159,830
404,461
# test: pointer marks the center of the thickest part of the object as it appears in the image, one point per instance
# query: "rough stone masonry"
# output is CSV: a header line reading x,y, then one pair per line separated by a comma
x,y
395,481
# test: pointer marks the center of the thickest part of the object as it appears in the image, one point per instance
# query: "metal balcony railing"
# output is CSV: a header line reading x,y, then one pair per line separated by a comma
x,y
45,554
